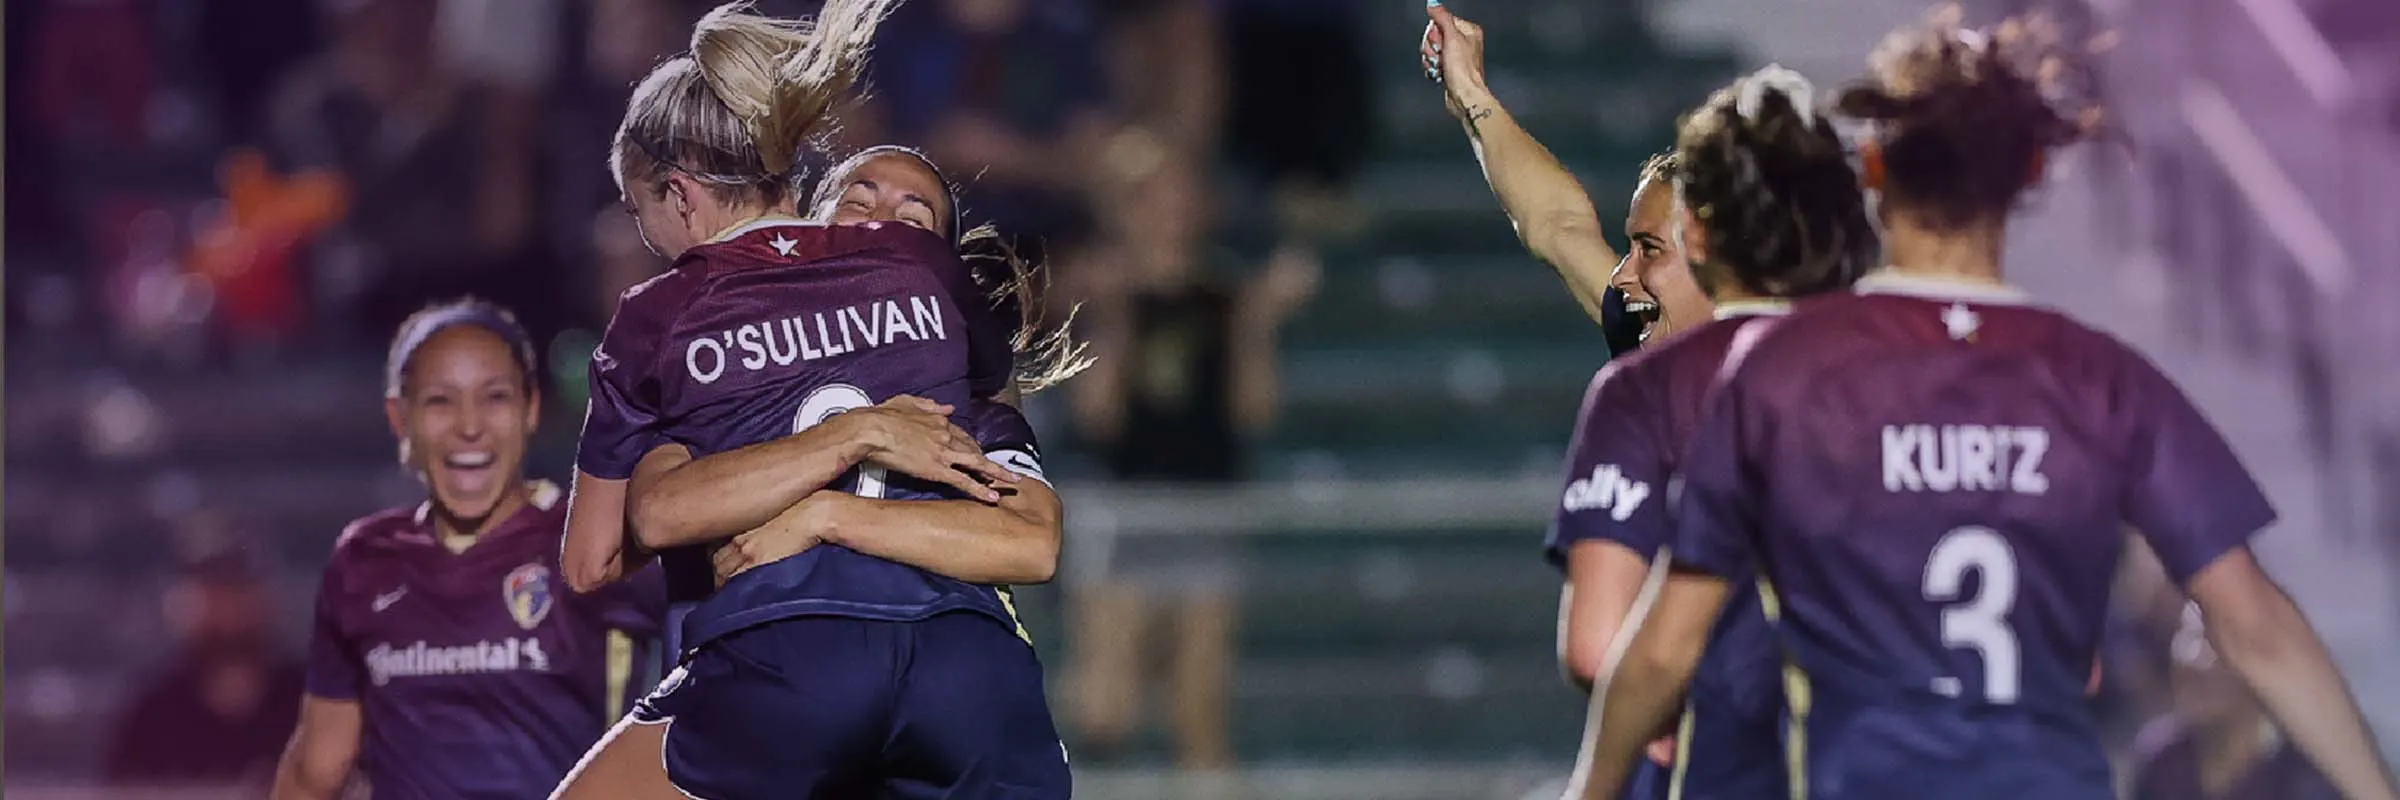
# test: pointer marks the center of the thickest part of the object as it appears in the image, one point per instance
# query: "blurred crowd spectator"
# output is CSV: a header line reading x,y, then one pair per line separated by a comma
x,y
220,711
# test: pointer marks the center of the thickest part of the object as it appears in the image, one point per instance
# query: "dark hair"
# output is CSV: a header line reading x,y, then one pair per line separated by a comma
x,y
1013,284
420,327
1662,167
1769,179
829,190
1963,113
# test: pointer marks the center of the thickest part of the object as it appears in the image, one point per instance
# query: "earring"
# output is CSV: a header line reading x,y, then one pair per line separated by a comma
x,y
1870,166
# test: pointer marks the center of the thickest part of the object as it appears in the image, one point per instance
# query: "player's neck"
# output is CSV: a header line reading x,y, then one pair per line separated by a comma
x,y
744,219
1734,302
1968,255
459,534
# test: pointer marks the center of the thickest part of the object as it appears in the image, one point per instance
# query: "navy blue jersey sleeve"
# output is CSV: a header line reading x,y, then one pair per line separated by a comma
x,y
2188,493
1617,468
1716,495
1006,436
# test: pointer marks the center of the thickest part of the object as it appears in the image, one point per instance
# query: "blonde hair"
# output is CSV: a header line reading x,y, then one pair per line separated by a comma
x,y
736,111
1046,356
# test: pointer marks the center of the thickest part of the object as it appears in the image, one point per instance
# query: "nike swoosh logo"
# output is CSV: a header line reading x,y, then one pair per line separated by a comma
x,y
1019,461
384,601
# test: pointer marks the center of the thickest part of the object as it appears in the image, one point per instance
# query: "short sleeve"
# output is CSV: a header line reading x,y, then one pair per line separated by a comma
x,y
1717,496
636,605
621,421
2188,494
332,661
1007,437
1617,467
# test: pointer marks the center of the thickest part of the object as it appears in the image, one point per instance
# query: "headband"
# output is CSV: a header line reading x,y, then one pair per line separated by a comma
x,y
949,190
1786,82
420,328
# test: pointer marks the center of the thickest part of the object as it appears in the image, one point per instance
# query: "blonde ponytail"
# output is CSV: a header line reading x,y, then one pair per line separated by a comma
x,y
753,92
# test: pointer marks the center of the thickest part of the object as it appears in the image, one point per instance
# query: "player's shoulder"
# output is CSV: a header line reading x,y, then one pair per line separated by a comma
x,y
545,506
995,423
644,310
785,241
380,531
1705,348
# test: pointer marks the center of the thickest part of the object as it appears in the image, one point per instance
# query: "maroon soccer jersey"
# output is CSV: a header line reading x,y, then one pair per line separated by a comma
x,y
1630,435
480,674
775,328
1936,477
1623,469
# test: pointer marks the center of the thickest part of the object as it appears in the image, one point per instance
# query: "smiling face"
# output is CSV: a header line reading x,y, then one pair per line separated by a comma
x,y
464,415
1654,275
894,187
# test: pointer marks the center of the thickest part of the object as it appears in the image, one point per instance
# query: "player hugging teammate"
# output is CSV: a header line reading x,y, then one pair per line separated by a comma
x,y
807,423
1919,480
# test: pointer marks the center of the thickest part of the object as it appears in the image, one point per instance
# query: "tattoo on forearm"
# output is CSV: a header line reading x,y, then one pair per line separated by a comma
x,y
1477,114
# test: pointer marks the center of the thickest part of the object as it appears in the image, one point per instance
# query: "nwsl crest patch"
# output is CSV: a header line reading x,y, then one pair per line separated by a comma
x,y
527,593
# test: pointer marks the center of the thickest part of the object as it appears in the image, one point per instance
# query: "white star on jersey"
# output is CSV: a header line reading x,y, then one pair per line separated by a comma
x,y
1961,320
782,245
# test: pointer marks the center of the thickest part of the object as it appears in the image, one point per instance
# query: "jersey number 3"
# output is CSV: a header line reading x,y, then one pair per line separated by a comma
x,y
822,405
1981,621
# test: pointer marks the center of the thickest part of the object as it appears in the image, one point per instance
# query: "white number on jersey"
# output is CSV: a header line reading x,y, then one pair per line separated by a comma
x,y
822,405
1979,622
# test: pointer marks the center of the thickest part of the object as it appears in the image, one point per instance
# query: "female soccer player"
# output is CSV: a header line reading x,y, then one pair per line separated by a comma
x,y
1556,221
1931,473
892,183
853,666
449,660
1554,217
1775,213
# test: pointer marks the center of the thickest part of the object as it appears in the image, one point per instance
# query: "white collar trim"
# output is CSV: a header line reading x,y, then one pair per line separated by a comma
x,y
764,223
1886,281
1752,308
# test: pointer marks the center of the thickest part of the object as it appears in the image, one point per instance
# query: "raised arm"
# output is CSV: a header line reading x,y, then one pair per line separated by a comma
x,y
1553,215
1267,301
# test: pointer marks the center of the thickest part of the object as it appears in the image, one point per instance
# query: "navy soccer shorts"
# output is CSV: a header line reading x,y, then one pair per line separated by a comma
x,y
949,707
